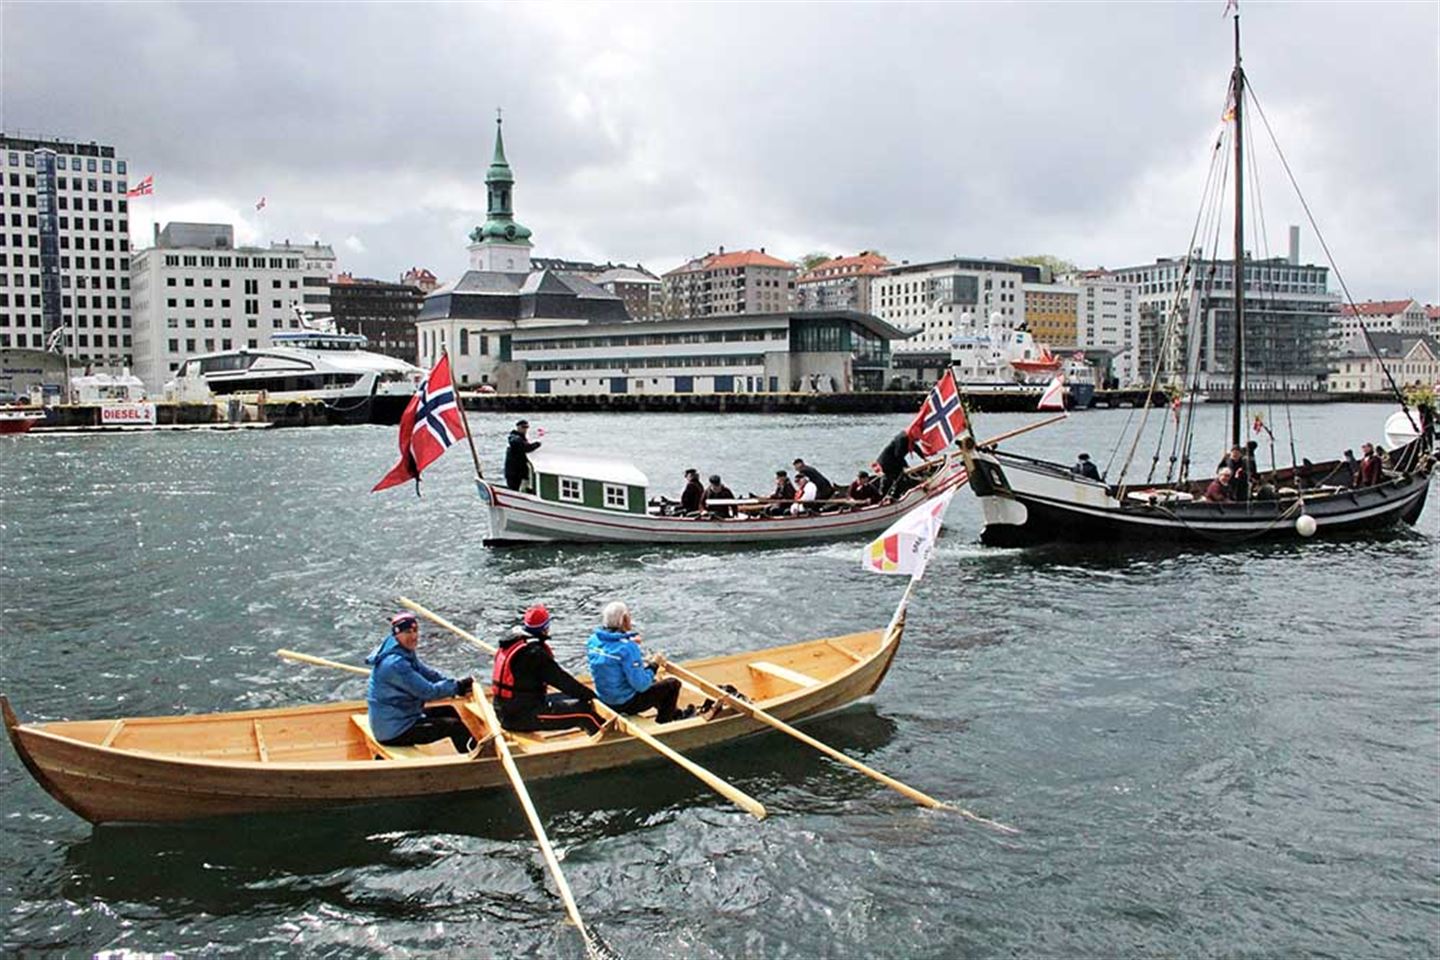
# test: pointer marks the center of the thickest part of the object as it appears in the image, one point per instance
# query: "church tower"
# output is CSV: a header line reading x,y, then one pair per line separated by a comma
x,y
500,244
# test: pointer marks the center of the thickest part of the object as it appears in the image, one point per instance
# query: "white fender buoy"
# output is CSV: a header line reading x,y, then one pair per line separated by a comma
x,y
1305,525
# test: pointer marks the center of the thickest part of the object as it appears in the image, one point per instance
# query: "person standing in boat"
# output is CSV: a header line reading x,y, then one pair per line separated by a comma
x,y
824,489
401,683
692,498
524,669
517,455
1233,464
623,679
1085,467
717,491
892,464
1371,468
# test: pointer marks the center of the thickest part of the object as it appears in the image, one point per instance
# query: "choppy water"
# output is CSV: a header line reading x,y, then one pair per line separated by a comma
x,y
1220,753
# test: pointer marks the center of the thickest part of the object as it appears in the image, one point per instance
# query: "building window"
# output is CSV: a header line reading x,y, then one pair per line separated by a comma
x,y
617,496
464,342
570,489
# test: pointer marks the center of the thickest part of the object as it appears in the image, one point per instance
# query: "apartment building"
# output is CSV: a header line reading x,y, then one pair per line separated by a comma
x,y
65,250
926,299
1108,321
383,312
1288,314
1051,313
196,292
841,283
726,284
1408,317
420,278
1410,358
639,289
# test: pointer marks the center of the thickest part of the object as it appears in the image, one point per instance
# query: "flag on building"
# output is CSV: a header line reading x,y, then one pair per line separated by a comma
x,y
905,547
941,419
1054,396
430,425
142,189
260,204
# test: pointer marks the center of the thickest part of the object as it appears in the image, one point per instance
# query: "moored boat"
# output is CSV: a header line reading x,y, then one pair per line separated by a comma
x,y
14,420
147,769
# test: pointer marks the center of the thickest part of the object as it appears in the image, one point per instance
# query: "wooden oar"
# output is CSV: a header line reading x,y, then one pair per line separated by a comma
x,y
735,795
320,661
744,706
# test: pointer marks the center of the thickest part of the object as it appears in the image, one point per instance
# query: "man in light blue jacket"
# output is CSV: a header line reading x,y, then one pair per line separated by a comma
x,y
623,680
401,683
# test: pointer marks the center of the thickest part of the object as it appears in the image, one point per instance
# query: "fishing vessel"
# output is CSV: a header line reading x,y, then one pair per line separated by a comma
x,y
303,366
1002,357
1027,500
148,769
579,498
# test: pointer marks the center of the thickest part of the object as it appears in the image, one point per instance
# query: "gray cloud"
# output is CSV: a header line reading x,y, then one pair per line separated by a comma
x,y
652,133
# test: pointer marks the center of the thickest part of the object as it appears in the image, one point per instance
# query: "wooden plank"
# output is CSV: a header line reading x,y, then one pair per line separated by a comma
x,y
857,657
114,732
260,744
784,673
388,752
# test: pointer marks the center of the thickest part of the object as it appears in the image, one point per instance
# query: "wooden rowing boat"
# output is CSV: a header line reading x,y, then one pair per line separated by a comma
x,y
139,769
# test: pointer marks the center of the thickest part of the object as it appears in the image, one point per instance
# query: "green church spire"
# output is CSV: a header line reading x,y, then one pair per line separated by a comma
x,y
500,225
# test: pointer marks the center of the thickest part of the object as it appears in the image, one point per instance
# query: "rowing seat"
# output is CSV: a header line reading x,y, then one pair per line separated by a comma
x,y
379,749
795,677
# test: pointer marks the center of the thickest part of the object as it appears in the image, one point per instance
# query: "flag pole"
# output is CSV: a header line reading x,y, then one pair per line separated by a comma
x,y
460,402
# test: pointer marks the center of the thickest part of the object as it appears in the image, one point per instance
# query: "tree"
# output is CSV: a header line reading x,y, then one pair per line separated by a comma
x,y
1054,264
812,260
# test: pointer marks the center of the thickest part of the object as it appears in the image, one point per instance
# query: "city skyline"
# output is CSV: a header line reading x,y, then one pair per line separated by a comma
x,y
1001,131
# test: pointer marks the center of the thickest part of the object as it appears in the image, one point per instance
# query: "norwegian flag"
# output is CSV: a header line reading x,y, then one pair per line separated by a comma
x,y
144,188
941,418
431,423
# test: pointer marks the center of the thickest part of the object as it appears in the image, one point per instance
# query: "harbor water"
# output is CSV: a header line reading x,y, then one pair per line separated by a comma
x,y
1228,751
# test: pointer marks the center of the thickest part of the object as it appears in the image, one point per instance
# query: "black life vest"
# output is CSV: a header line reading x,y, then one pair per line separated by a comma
x,y
502,678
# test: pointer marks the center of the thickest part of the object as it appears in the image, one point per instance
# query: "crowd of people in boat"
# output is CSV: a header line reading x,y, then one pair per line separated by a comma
x,y
529,689
805,491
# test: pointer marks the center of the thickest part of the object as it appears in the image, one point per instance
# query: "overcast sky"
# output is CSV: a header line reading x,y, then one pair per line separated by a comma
x,y
654,133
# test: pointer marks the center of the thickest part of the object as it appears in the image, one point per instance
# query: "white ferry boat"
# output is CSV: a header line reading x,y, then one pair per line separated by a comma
x,y
303,366
1000,358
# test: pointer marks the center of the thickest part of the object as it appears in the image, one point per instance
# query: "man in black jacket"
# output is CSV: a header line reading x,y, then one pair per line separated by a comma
x,y
824,489
524,669
892,464
693,496
517,459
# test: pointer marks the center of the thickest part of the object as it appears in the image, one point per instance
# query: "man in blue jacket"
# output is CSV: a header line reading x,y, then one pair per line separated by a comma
x,y
401,683
622,678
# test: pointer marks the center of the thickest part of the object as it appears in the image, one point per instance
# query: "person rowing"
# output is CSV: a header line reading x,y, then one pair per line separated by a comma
x,y
524,669
624,680
400,685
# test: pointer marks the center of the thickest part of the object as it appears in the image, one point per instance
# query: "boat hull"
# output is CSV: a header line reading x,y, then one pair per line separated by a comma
x,y
1029,502
214,765
517,518
17,423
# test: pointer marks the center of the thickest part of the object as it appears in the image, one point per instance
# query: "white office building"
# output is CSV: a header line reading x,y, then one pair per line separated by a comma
x,y
926,299
196,292
1107,317
65,250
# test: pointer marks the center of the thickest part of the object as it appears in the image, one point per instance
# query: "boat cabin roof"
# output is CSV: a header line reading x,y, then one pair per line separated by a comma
x,y
588,467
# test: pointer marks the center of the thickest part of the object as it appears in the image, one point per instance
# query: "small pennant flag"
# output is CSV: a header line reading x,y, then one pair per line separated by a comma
x,y
260,204
1054,396
905,547
142,189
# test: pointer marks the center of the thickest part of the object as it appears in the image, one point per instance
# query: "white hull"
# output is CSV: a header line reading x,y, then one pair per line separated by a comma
x,y
525,518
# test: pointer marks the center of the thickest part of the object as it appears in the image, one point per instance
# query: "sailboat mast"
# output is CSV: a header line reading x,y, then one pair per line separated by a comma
x,y
1237,94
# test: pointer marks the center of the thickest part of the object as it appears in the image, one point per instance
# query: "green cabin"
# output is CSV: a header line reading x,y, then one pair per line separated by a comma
x,y
584,481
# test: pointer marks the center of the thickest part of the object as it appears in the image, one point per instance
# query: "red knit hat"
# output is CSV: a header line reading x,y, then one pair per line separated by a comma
x,y
537,619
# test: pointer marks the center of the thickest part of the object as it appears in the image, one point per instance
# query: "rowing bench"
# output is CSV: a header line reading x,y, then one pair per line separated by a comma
x,y
794,677
378,749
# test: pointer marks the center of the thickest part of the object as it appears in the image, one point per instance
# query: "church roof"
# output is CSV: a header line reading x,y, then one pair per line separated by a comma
x,y
493,295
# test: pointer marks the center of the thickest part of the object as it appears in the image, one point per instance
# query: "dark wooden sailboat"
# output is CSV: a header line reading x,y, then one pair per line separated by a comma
x,y
1028,501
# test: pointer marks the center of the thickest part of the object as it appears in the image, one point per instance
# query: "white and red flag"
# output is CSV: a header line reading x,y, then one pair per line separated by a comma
x,y
430,425
905,547
142,189
941,419
260,204
1054,396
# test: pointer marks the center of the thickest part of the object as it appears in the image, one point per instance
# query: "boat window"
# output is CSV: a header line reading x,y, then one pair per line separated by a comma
x,y
617,496
570,489
234,361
